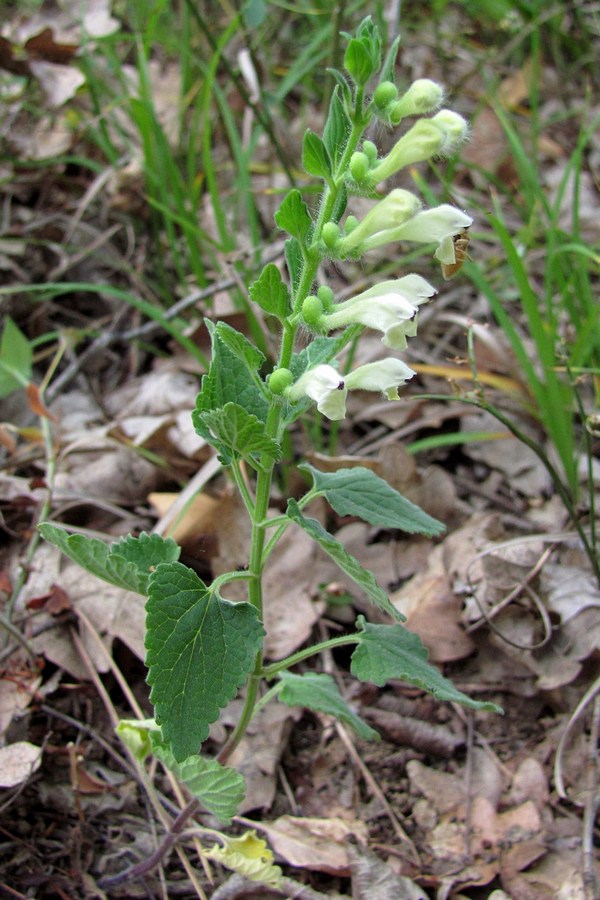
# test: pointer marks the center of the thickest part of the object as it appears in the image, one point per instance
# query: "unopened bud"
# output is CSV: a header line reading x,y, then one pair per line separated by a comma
x,y
359,166
280,380
312,310
423,141
370,151
326,296
385,94
423,96
453,128
331,235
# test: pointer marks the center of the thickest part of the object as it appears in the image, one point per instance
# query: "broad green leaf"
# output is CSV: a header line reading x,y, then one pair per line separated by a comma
x,y
358,62
315,158
249,856
95,556
237,433
200,650
16,359
360,492
127,563
240,346
318,691
219,789
231,378
270,292
337,127
145,551
391,651
293,216
347,563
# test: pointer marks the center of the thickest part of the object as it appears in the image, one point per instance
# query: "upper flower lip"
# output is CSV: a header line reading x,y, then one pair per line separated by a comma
x,y
390,307
383,226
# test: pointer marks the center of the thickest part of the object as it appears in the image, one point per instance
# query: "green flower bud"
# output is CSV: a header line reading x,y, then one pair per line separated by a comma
x,y
423,96
280,380
359,166
350,224
312,311
326,296
370,151
385,94
331,235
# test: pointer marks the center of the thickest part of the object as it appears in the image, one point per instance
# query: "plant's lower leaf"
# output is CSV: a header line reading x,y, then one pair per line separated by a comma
x,y
318,691
347,563
391,651
200,650
219,789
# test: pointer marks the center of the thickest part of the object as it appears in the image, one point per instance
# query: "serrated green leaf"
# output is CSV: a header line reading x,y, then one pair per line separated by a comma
x,y
360,492
346,562
232,377
219,789
200,650
16,359
145,551
315,158
236,433
240,346
126,563
270,292
391,651
315,690
293,216
95,556
337,128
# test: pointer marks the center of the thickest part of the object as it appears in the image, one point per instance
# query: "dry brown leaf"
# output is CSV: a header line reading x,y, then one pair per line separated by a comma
x,y
444,790
259,753
18,762
16,693
59,83
433,611
373,879
316,844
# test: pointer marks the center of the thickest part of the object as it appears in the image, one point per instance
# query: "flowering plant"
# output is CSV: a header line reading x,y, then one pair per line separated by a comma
x,y
202,648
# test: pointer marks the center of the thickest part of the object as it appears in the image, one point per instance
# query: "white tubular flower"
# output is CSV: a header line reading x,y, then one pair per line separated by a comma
x,y
438,224
386,375
326,387
398,207
389,307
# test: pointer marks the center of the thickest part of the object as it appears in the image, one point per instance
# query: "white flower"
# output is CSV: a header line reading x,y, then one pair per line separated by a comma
x,y
428,225
398,207
437,224
386,376
329,390
326,387
389,307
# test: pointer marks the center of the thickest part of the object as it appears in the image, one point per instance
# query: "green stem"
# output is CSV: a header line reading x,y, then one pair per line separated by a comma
x,y
274,668
259,548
